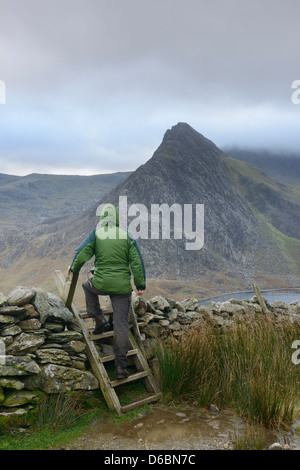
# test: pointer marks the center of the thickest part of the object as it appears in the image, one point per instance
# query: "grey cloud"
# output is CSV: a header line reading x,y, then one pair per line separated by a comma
x,y
99,77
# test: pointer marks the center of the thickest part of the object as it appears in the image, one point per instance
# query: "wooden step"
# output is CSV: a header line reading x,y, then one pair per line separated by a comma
x,y
103,359
107,334
106,311
140,402
131,378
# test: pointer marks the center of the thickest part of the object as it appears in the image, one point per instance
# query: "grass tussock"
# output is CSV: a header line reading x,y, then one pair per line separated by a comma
x,y
253,438
247,366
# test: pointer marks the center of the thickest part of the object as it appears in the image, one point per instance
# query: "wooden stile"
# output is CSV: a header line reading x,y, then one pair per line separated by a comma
x,y
108,387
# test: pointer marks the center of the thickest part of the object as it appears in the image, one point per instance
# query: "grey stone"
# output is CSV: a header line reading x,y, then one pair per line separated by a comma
x,y
6,320
275,446
179,306
50,306
193,315
20,296
160,303
141,309
30,312
279,304
25,343
20,397
11,383
173,314
190,304
56,378
10,331
11,310
53,356
135,300
30,324
18,365
74,347
64,337
54,327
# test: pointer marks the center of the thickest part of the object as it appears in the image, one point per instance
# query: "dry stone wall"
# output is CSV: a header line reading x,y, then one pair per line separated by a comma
x,y
42,350
163,317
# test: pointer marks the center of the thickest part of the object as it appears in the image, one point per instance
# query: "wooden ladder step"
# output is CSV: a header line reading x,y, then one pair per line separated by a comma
x,y
103,359
141,401
106,311
107,334
131,378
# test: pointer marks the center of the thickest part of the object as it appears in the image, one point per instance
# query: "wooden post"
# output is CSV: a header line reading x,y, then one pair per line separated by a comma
x,y
72,290
260,299
136,330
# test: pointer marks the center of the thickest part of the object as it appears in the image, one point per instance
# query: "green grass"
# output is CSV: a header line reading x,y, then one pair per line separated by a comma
x,y
247,367
61,419
253,438
57,421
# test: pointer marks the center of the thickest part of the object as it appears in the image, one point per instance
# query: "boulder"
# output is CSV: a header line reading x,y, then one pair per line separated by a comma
x,y
294,308
25,343
135,300
277,304
10,331
56,378
179,306
18,365
173,314
20,397
51,307
160,303
64,337
190,304
30,312
20,295
74,347
53,356
11,383
141,309
55,327
30,324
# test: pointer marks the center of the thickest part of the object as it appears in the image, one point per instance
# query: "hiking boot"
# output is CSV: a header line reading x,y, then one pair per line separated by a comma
x,y
101,324
121,373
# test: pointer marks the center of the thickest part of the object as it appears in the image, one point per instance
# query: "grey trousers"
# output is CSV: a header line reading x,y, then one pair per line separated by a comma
x,y
121,306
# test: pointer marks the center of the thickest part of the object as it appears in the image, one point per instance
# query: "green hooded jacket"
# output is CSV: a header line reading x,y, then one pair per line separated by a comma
x,y
116,255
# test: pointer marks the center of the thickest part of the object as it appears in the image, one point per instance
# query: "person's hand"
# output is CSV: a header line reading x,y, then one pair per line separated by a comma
x,y
69,270
139,292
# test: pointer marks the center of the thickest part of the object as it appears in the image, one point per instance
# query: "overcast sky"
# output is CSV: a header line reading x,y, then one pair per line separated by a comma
x,y
92,85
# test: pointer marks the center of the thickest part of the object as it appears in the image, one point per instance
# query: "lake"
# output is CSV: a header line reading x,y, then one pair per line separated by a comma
x,y
285,295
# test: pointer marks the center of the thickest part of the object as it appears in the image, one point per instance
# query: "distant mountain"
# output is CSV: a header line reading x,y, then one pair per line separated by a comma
x,y
284,167
251,222
37,197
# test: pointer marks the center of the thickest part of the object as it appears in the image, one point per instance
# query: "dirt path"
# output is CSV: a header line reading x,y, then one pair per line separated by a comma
x,y
166,429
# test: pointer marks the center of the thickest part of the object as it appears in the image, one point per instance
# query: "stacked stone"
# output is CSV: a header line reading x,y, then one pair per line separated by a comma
x,y
161,317
41,350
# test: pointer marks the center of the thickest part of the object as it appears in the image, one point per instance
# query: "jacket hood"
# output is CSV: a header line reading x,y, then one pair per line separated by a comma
x,y
109,216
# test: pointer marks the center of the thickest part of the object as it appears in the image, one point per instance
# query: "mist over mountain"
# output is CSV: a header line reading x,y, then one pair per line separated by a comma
x,y
251,221
283,167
